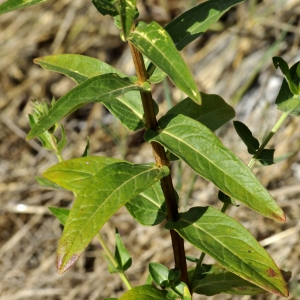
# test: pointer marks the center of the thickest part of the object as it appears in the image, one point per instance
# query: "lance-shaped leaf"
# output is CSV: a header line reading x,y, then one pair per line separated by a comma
x,y
11,5
213,113
106,192
144,292
149,207
205,154
77,67
127,108
281,63
127,10
155,43
60,213
286,100
106,7
97,89
194,22
214,279
231,245
246,135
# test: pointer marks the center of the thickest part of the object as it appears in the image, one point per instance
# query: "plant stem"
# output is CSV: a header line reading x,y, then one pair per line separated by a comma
x,y
161,160
198,265
250,165
113,261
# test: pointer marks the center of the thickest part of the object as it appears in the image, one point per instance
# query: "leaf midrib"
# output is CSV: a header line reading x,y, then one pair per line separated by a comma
x,y
188,145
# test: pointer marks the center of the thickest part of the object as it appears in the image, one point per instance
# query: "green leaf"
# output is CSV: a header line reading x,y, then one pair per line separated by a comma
x,y
144,292
11,5
106,7
285,99
233,247
127,108
205,154
246,135
77,67
266,157
214,279
194,22
149,207
281,63
60,213
213,113
96,89
122,255
155,43
159,273
75,174
47,183
127,10
107,191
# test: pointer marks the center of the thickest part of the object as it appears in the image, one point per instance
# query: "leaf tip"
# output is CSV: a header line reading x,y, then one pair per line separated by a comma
x,y
63,265
281,217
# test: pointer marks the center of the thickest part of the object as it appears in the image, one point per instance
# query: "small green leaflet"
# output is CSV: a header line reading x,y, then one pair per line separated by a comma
x,y
122,255
60,213
213,112
155,43
241,253
246,135
159,273
286,100
205,154
96,89
144,292
11,5
103,195
281,63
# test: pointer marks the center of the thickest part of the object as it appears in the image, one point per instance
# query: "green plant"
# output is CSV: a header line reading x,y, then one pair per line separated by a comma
x,y
103,184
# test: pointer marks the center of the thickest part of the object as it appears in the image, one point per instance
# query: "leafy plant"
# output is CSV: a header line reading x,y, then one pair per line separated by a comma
x,y
102,185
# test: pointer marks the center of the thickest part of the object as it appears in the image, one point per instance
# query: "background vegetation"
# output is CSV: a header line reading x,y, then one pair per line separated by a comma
x,y
233,60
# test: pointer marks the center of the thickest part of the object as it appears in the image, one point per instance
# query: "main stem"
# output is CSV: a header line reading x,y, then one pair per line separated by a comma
x,y
161,160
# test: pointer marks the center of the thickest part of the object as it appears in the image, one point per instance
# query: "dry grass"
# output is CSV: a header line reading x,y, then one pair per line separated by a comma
x,y
233,61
